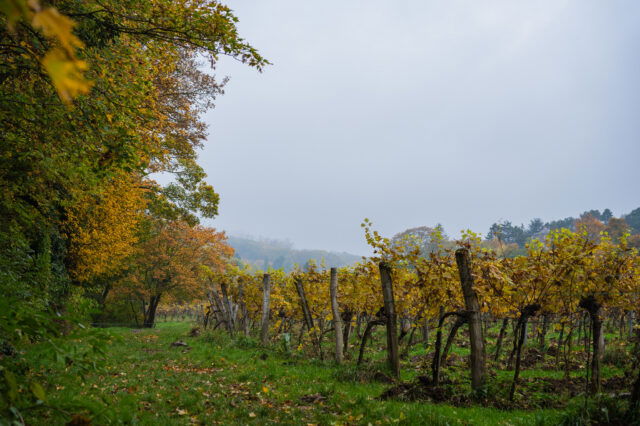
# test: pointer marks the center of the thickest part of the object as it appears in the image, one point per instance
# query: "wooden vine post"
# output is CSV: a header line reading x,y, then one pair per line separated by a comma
x,y
229,314
244,315
337,319
477,357
594,308
390,310
266,300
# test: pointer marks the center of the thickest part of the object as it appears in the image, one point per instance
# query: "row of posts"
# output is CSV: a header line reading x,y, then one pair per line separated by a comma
x,y
477,358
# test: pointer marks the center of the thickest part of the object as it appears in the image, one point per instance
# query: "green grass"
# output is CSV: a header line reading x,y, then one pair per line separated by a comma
x,y
223,381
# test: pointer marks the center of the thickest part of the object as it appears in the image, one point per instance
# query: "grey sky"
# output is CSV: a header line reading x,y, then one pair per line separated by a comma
x,y
417,112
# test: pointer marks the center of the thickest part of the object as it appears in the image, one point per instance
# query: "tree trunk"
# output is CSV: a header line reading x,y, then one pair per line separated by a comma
x,y
473,317
452,335
150,314
103,295
435,362
527,311
407,347
337,319
503,331
390,310
266,301
518,346
320,336
347,316
365,336
306,313
516,337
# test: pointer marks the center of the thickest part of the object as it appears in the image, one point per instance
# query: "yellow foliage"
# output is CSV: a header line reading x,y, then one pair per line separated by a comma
x,y
103,227
53,24
60,62
66,74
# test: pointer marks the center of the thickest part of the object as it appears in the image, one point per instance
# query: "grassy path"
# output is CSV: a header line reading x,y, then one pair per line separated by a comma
x,y
219,381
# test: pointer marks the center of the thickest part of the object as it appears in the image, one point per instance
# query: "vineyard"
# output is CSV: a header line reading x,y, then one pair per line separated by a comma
x,y
550,308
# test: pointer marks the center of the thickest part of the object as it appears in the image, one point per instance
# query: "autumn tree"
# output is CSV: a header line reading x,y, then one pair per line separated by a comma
x,y
616,228
170,259
591,225
63,144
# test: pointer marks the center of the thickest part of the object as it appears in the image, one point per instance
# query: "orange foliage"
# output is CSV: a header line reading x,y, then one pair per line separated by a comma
x,y
171,260
592,226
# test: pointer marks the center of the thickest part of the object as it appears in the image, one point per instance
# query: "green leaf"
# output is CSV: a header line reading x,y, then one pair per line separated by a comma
x,y
12,384
38,391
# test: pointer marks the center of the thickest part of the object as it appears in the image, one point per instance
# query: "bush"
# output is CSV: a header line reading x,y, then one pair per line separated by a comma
x,y
30,340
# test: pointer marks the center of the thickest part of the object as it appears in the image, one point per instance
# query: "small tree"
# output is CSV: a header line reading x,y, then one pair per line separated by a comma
x,y
169,261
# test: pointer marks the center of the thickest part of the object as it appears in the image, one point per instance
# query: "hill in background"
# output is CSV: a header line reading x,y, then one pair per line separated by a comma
x,y
266,253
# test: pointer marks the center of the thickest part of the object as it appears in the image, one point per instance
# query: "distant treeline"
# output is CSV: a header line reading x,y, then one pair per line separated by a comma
x,y
509,240
593,221
278,254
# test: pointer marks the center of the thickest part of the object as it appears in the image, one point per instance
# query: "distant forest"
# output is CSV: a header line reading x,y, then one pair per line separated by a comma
x,y
593,221
510,239
277,254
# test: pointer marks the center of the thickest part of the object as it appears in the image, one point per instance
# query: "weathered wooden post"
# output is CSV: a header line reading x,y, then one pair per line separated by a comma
x,y
244,314
337,319
594,308
230,317
390,310
266,300
218,311
472,305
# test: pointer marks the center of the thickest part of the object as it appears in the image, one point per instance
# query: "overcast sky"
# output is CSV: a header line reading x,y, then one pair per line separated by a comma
x,y
412,113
